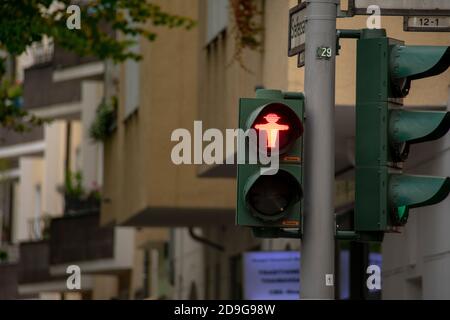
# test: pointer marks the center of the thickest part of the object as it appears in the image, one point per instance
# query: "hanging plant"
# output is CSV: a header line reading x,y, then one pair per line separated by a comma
x,y
248,28
104,121
24,22
12,115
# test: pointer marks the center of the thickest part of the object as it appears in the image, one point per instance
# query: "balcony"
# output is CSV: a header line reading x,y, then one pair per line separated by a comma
x,y
38,83
34,262
60,74
33,272
8,281
78,239
67,59
11,138
8,273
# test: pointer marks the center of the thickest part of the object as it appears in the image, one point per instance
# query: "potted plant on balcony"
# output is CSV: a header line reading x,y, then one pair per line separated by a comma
x,y
77,200
105,120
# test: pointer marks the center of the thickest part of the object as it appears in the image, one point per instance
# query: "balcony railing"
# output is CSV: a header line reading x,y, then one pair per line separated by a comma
x,y
34,262
10,137
76,205
39,81
41,52
8,281
39,228
9,270
65,59
79,238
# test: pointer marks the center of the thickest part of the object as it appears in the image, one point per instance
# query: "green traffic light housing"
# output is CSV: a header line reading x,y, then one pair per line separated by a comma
x,y
270,199
385,131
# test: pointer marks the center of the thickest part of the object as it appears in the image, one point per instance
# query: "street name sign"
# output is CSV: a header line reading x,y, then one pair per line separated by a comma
x,y
297,30
401,7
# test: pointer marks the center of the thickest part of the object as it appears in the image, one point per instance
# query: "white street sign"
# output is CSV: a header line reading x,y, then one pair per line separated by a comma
x,y
297,30
402,7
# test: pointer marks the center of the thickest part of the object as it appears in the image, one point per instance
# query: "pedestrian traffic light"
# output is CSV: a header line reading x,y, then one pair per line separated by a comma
x,y
270,155
385,130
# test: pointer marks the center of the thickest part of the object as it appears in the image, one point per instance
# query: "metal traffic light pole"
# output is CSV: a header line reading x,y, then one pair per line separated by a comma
x,y
317,250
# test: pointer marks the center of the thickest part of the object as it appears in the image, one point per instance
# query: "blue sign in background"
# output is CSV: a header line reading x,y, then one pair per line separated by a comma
x,y
274,275
271,275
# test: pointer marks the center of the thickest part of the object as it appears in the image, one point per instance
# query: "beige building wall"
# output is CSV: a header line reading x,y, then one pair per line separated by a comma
x,y
54,159
141,174
53,167
189,262
75,143
278,71
105,287
146,239
91,152
222,79
29,199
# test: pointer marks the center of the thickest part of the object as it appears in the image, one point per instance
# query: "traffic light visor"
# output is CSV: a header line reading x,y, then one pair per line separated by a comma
x,y
417,191
409,63
408,127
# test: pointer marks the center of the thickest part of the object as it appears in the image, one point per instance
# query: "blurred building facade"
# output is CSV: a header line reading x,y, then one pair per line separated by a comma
x,y
49,179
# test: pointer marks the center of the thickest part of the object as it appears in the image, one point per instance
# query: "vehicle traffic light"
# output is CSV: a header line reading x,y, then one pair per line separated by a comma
x,y
270,155
385,131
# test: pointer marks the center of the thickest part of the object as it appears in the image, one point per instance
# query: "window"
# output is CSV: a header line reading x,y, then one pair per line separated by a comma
x,y
7,197
132,84
132,80
217,19
37,227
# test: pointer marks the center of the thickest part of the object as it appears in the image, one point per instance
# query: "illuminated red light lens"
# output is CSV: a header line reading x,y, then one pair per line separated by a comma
x,y
279,126
272,129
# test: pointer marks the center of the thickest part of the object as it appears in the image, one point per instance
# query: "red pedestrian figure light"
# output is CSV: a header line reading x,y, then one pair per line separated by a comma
x,y
272,127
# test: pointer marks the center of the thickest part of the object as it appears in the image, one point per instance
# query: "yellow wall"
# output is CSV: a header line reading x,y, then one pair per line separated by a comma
x,y
139,173
105,287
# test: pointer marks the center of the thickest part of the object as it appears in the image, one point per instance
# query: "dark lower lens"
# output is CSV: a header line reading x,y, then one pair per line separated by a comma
x,y
272,195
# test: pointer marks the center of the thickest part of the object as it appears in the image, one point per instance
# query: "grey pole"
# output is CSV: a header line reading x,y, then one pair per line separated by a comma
x,y
317,250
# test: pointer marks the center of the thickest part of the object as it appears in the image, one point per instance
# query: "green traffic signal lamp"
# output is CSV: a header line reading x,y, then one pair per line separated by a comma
x,y
384,198
408,192
407,127
409,63
270,192
385,131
